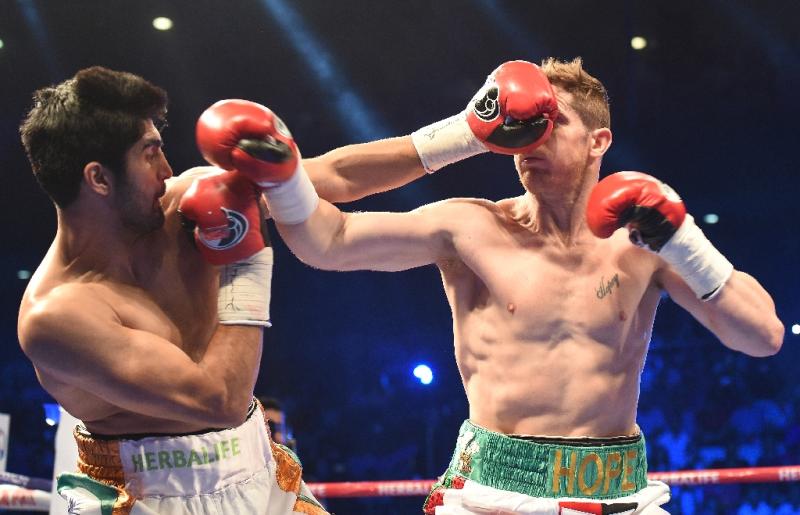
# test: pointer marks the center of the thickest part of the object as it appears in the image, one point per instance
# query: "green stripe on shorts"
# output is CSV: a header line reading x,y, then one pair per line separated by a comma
x,y
552,470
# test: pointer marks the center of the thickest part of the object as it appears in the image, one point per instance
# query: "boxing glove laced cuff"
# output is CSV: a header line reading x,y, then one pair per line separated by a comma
x,y
700,264
293,201
446,142
244,290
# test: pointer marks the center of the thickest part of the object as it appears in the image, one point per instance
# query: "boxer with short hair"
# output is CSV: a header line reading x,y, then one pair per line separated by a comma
x,y
552,304
145,318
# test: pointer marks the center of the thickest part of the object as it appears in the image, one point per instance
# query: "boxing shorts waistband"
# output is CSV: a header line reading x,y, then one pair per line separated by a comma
x,y
169,465
596,468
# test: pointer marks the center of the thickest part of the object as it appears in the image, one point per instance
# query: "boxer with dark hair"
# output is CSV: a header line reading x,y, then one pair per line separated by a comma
x,y
151,338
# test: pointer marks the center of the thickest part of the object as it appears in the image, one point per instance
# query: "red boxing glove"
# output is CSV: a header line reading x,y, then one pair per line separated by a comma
x,y
223,212
248,137
652,210
514,111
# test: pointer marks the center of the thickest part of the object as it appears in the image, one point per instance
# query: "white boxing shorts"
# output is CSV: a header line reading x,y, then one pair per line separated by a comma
x,y
230,471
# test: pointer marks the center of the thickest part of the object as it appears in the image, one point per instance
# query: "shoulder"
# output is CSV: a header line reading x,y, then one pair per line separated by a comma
x,y
474,208
61,313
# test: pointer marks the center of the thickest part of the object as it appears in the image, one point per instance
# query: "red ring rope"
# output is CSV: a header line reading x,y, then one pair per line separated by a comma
x,y
679,477
14,495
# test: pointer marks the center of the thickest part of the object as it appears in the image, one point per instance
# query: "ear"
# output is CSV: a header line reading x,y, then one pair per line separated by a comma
x,y
601,141
97,178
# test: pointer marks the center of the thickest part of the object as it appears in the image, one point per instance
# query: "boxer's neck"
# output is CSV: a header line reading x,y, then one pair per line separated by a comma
x,y
95,241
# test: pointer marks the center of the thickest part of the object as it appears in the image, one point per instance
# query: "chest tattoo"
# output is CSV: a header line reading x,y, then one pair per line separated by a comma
x,y
606,287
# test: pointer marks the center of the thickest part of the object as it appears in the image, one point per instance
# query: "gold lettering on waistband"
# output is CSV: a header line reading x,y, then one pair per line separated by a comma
x,y
613,469
568,472
628,463
598,465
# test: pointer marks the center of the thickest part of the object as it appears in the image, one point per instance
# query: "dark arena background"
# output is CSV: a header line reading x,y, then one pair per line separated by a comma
x,y
707,99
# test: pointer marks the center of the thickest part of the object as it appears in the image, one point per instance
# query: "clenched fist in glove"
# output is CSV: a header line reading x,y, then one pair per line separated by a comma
x,y
657,220
513,113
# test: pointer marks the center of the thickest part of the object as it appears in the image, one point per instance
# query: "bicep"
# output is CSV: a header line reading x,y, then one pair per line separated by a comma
x,y
334,240
396,241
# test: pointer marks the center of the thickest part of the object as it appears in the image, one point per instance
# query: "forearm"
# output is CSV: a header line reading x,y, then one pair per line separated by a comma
x,y
355,171
231,363
743,317
315,241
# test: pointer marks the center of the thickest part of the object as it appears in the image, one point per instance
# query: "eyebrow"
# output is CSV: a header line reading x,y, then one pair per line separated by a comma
x,y
149,142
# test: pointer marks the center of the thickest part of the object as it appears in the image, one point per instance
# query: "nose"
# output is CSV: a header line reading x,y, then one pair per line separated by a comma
x,y
165,170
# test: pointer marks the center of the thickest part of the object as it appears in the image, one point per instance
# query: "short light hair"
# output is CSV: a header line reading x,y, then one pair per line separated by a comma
x,y
590,99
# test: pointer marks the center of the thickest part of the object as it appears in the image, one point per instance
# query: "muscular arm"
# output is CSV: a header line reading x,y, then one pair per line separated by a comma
x,y
80,340
355,171
333,240
742,315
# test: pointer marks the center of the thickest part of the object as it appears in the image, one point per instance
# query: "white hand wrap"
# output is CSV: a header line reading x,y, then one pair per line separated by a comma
x,y
446,142
293,201
244,290
700,264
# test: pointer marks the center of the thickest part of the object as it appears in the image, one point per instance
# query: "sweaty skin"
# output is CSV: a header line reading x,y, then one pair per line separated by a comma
x,y
162,288
538,351
121,325
542,348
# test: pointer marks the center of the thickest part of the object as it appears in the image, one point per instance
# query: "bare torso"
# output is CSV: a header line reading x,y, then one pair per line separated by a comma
x,y
550,338
172,294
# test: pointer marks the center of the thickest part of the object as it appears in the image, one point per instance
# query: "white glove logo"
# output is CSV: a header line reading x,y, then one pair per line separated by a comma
x,y
485,103
225,237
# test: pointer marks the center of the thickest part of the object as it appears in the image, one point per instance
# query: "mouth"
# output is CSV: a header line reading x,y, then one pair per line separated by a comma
x,y
157,202
531,160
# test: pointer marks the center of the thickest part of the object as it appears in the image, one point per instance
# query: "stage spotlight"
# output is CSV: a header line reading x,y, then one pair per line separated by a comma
x,y
1,43
162,23
424,373
51,413
711,218
796,329
638,43
23,274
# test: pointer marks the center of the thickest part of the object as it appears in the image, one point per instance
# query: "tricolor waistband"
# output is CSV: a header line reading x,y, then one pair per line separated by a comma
x,y
177,465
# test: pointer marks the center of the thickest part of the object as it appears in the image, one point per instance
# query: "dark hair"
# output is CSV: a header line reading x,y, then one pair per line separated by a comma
x,y
270,403
95,116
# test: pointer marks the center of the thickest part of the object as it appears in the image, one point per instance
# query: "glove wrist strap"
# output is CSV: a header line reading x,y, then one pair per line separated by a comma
x,y
293,201
244,290
446,142
700,264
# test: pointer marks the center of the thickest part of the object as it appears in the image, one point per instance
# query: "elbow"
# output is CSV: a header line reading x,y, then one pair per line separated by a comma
x,y
774,340
770,341
225,411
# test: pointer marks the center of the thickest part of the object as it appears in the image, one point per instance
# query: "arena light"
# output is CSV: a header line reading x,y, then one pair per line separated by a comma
x,y
359,119
1,43
711,218
424,373
638,43
23,275
796,329
51,413
162,23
